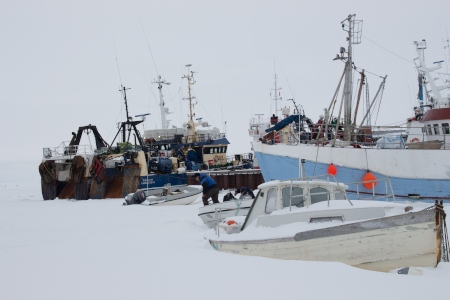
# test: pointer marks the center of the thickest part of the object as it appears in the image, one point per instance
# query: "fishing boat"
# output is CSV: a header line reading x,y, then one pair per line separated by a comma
x,y
416,157
213,214
157,158
313,219
65,169
167,195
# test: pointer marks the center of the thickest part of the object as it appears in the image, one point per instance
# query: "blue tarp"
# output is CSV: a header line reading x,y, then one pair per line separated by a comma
x,y
284,122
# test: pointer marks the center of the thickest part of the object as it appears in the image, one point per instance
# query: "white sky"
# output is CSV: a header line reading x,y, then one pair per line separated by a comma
x,y
58,68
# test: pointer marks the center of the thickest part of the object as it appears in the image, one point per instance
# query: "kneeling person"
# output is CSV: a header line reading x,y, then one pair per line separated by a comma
x,y
210,188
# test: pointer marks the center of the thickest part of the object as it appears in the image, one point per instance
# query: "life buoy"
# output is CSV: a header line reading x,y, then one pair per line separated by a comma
x,y
216,158
414,140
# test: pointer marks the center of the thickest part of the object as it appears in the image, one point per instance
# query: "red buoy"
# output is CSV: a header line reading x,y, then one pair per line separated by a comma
x,y
367,181
231,222
332,170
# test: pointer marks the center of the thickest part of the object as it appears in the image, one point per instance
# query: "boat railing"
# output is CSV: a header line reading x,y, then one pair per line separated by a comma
x,y
119,149
237,161
184,139
66,150
360,188
217,218
326,178
385,137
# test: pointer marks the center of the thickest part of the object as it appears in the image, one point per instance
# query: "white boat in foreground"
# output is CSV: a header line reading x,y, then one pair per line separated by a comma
x,y
168,195
313,220
213,214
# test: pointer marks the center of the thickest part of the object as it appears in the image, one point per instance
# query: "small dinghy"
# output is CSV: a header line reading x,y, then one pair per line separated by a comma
x,y
167,195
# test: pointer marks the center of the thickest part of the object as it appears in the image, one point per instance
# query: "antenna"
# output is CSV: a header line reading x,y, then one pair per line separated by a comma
x,y
354,30
259,117
191,124
160,82
191,81
123,91
276,93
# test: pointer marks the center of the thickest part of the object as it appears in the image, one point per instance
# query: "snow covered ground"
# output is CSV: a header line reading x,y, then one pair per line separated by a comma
x,y
99,249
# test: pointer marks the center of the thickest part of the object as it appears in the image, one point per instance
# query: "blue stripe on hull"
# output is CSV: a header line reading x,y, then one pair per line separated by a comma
x,y
159,180
283,167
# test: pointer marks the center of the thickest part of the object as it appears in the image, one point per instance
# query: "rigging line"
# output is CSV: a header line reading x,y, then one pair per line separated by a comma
x,y
408,60
117,61
379,104
151,90
365,71
367,161
115,122
208,114
221,108
284,73
175,108
151,54
146,105
315,163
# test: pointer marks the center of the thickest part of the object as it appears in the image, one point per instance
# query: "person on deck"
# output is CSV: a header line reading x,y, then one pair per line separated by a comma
x,y
245,191
210,188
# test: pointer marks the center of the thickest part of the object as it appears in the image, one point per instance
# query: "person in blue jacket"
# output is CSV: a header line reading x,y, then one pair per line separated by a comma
x,y
210,188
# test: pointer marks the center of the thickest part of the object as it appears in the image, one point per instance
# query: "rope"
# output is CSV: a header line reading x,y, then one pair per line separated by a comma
x,y
49,173
238,204
315,163
445,247
445,242
408,60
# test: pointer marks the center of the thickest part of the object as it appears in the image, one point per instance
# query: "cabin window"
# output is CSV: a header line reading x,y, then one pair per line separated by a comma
x,y
429,132
339,195
297,196
271,200
436,128
319,194
445,128
206,150
326,219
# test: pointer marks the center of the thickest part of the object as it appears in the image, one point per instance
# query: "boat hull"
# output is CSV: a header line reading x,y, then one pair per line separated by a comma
x,y
423,174
175,195
381,244
180,201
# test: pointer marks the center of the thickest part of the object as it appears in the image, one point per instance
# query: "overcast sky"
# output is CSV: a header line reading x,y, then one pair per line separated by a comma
x,y
62,63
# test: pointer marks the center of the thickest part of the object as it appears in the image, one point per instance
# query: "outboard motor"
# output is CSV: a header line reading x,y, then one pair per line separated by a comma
x,y
136,198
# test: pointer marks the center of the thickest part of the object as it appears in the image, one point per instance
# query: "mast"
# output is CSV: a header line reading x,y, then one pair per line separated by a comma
x,y
191,125
348,84
277,95
123,90
354,37
437,100
131,125
160,82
